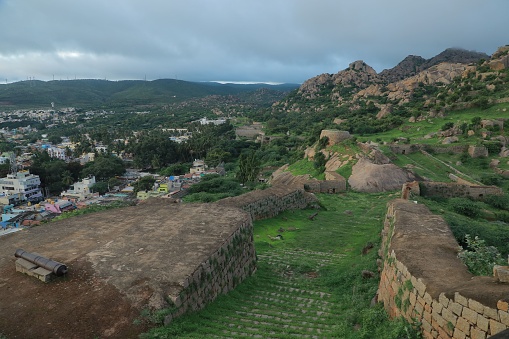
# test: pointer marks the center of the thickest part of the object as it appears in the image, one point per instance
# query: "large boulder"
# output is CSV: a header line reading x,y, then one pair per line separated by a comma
x,y
335,136
369,177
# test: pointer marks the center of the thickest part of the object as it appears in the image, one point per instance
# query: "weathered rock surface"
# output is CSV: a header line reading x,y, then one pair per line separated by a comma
x,y
369,177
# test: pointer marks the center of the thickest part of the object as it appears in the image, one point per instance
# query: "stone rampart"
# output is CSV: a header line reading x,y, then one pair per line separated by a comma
x,y
452,190
234,261
270,202
424,281
408,149
236,258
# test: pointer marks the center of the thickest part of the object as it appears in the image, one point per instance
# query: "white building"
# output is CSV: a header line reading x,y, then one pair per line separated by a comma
x,y
80,190
205,121
57,152
23,184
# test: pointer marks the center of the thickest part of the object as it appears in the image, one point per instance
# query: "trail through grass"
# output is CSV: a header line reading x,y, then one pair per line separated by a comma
x,y
309,284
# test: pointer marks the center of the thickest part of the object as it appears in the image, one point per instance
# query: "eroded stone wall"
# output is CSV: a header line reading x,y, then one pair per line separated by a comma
x,y
236,258
270,202
451,190
424,281
234,261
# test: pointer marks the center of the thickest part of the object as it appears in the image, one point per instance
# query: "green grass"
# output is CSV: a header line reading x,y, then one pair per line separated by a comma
x,y
417,130
424,166
307,285
494,232
305,166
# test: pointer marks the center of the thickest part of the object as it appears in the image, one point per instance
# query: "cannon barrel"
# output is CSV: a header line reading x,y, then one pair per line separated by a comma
x,y
57,268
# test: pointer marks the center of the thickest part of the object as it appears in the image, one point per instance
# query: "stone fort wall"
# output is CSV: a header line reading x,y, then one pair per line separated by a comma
x,y
235,260
424,281
451,190
270,202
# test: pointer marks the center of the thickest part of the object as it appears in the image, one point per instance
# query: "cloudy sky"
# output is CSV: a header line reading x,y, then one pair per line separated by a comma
x,y
234,40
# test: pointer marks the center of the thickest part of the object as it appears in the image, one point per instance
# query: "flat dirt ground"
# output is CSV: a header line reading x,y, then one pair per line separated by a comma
x,y
120,262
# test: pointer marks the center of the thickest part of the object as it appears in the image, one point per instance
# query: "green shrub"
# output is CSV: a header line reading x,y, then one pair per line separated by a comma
x,y
466,207
447,126
498,201
493,180
478,257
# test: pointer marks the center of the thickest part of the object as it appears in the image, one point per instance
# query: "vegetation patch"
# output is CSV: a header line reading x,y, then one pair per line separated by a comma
x,y
281,301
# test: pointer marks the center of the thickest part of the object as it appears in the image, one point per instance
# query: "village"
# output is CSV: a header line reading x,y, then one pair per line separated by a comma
x,y
24,204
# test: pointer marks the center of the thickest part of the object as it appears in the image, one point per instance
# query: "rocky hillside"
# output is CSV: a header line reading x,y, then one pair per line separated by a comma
x,y
369,102
413,64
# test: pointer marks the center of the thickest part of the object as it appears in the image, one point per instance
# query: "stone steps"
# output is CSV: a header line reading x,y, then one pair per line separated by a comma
x,y
286,308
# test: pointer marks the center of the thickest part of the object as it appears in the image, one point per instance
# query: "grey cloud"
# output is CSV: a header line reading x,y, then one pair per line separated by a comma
x,y
264,40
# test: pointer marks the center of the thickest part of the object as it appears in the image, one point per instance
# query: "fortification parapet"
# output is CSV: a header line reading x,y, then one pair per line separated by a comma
x,y
424,281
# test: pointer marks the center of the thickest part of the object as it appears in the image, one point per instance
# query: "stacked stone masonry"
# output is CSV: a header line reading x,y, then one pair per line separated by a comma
x,y
424,281
408,149
270,202
235,260
452,190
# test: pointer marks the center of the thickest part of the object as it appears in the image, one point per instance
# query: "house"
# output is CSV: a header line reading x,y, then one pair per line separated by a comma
x,y
80,190
58,207
198,167
28,185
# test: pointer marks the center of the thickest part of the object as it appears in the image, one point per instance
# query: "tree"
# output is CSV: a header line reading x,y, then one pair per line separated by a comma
x,y
67,178
144,183
100,187
249,167
104,167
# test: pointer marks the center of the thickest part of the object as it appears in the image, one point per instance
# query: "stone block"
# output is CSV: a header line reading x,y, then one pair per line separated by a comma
x,y
427,298
443,300
426,325
420,287
475,306
460,299
427,316
482,323
42,274
449,316
490,313
445,332
503,305
496,327
419,309
437,319
23,265
437,306
476,333
469,315
456,308
458,334
463,325
501,273
504,317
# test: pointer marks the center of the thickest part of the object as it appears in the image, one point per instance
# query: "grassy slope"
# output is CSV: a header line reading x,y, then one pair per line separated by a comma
x,y
417,130
307,285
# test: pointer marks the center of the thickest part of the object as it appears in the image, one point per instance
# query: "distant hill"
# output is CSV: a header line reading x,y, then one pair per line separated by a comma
x,y
369,102
103,93
412,64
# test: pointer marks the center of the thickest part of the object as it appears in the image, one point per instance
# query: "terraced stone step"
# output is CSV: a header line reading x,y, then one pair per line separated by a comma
x,y
290,302
303,324
267,310
290,296
301,291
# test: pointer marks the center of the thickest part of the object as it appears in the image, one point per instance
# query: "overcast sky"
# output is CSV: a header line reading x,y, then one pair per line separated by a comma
x,y
234,40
